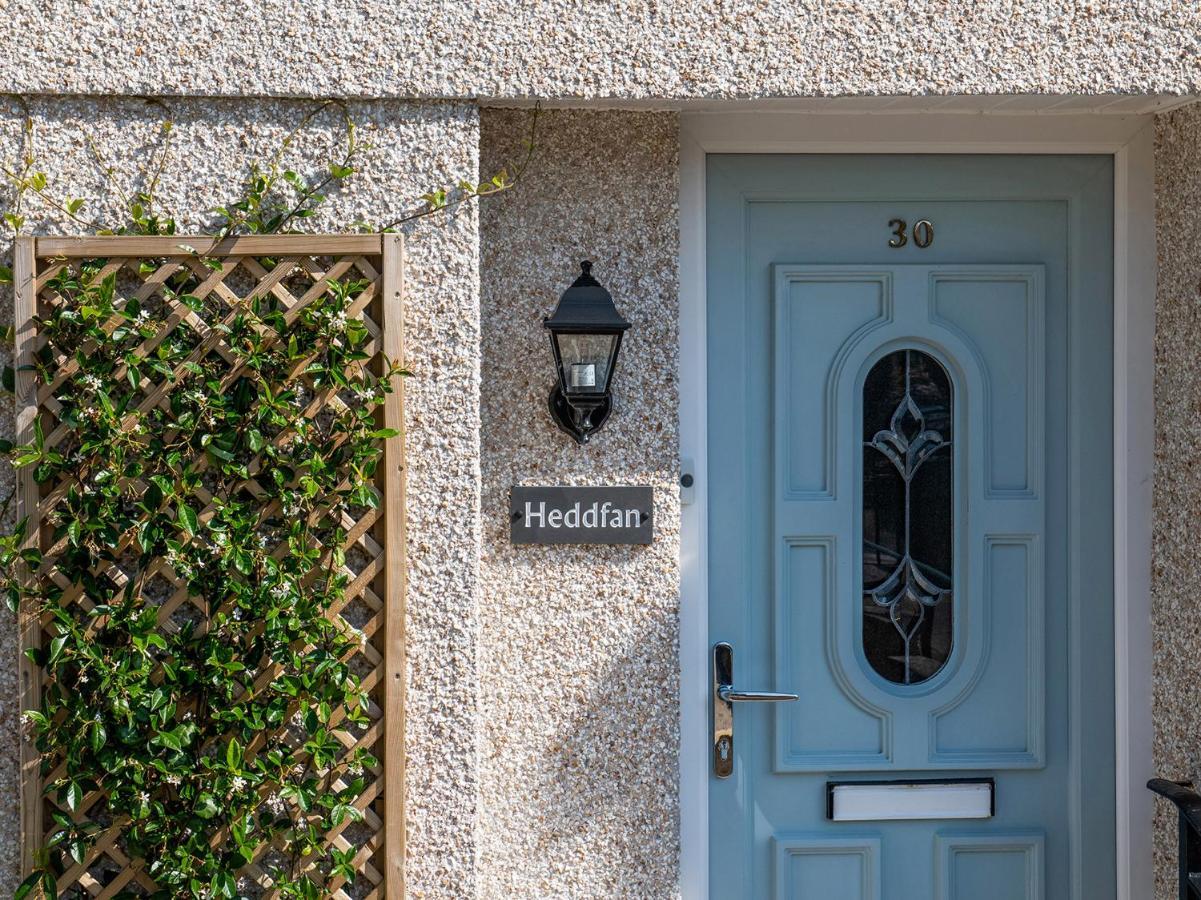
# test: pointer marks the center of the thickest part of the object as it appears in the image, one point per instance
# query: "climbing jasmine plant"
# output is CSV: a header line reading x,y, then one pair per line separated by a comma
x,y
211,450
199,691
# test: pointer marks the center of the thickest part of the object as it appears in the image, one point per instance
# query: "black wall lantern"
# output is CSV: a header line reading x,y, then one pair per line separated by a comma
x,y
585,335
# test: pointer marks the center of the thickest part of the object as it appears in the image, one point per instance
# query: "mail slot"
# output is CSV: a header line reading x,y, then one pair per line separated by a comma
x,y
877,801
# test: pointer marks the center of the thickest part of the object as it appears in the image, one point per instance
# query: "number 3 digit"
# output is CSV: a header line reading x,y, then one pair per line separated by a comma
x,y
898,233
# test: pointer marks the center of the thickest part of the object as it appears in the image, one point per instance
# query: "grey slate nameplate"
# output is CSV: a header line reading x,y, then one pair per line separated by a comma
x,y
581,515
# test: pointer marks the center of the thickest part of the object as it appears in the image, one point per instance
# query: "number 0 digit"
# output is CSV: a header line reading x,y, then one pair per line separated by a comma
x,y
923,233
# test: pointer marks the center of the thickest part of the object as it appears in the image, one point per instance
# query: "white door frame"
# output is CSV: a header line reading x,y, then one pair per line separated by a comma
x,y
1130,139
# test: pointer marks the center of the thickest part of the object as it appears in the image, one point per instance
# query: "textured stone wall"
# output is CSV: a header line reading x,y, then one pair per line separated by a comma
x,y
579,645
1176,610
627,49
415,147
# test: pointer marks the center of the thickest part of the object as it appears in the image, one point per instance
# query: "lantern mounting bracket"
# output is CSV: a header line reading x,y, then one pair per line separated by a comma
x,y
577,421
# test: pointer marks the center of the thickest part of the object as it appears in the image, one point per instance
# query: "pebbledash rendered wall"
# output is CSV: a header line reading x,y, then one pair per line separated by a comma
x,y
415,146
579,646
543,684
1176,602
623,50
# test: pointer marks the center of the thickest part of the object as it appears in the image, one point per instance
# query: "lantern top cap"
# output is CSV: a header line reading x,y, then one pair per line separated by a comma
x,y
586,306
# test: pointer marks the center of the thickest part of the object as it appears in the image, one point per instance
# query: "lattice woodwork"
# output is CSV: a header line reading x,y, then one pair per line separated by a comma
x,y
294,269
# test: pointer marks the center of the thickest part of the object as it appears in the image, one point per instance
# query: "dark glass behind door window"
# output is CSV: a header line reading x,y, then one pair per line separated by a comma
x,y
908,482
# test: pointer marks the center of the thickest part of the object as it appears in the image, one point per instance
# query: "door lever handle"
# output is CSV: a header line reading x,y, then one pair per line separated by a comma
x,y
725,695
730,694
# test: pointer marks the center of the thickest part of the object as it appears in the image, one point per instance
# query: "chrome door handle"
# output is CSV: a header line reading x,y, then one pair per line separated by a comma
x,y
725,695
728,693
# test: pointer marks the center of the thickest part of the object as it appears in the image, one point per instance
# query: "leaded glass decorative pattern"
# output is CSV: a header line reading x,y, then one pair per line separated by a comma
x,y
908,482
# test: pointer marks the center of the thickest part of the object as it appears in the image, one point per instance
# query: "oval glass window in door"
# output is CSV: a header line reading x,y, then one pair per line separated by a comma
x,y
908,488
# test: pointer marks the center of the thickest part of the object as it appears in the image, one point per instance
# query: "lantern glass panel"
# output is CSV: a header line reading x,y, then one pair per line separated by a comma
x,y
586,359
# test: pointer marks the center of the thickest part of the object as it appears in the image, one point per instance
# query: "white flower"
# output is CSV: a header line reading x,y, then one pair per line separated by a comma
x,y
143,317
173,780
143,797
275,803
83,678
338,321
91,382
239,783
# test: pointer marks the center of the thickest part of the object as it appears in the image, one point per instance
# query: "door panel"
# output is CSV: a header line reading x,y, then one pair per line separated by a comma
x,y
827,868
983,324
997,866
935,584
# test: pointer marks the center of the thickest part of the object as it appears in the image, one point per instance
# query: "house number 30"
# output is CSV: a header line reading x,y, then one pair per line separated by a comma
x,y
923,233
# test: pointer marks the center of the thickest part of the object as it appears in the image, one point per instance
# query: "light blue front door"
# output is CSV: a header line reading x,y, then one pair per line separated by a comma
x,y
911,519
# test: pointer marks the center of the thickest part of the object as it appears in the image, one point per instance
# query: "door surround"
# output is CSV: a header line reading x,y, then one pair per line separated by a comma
x,y
1130,140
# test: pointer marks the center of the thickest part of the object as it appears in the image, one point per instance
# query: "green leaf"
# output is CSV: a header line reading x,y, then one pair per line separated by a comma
x,y
9,380
243,562
187,518
56,650
73,795
255,439
233,755
223,885
99,736
206,807
27,885
77,849
164,484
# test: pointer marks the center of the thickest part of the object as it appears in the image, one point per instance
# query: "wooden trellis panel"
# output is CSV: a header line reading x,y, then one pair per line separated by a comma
x,y
294,269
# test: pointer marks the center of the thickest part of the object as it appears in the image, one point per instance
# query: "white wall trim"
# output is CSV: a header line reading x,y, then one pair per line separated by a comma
x,y
694,536
1130,139
1134,261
